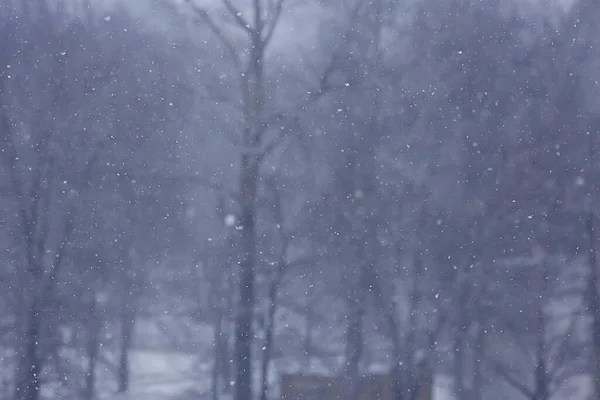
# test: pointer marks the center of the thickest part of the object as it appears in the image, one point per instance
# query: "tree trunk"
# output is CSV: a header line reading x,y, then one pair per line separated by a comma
x,y
460,345
459,364
354,344
270,327
61,374
29,366
214,385
411,367
593,300
476,391
269,333
254,103
308,328
127,326
373,282
93,348
245,310
542,383
542,380
220,376
227,359
90,374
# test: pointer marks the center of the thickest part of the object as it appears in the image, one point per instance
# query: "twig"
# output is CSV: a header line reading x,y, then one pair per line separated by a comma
x,y
237,15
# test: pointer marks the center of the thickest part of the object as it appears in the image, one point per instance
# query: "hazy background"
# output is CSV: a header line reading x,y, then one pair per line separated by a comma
x,y
196,198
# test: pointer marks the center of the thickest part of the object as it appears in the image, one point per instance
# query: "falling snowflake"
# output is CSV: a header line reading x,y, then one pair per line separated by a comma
x,y
229,220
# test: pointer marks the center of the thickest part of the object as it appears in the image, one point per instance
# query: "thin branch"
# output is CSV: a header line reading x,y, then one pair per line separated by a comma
x,y
501,371
563,349
324,86
258,21
272,145
280,117
237,15
340,52
273,290
577,367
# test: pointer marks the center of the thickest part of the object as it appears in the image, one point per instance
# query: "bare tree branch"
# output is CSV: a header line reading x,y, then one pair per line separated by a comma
x,y
237,15
503,373
563,349
258,21
324,85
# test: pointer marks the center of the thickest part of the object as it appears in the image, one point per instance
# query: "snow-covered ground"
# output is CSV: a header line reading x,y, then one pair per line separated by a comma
x,y
165,375
171,376
159,374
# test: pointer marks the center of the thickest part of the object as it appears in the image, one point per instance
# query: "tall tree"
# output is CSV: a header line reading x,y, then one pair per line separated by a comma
x,y
264,126
48,169
65,134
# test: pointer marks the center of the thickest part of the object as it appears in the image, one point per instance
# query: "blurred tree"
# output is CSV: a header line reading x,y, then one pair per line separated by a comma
x,y
75,122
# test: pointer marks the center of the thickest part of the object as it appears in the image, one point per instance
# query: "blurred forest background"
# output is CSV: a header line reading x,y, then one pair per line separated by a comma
x,y
198,196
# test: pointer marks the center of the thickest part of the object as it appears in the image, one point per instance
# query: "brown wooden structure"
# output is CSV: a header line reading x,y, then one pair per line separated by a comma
x,y
319,387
